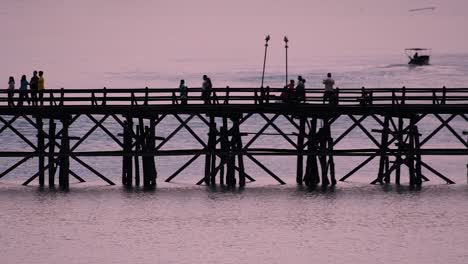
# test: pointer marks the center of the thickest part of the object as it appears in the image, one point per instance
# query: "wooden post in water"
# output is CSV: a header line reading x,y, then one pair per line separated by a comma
x,y
398,158
136,157
40,148
331,161
323,137
127,169
152,148
64,181
237,138
300,149
224,143
383,149
211,141
417,157
312,174
51,158
409,148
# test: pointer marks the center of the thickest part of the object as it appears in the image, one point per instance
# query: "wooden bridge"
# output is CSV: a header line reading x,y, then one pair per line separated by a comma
x,y
397,112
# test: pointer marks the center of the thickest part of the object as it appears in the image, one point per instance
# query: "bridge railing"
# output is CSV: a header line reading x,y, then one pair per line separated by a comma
x,y
162,96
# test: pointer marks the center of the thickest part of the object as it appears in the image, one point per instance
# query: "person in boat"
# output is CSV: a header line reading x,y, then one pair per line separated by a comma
x,y
207,86
328,82
300,89
183,89
415,56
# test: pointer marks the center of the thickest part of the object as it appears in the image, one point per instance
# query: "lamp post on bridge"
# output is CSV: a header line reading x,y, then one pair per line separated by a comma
x,y
264,58
286,40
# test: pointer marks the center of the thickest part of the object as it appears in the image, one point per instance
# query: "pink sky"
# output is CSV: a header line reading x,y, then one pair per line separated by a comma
x,y
93,34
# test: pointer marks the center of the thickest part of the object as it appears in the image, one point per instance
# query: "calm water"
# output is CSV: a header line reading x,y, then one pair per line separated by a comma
x,y
265,223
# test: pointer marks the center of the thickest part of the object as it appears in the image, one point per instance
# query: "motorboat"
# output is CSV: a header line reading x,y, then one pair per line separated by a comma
x,y
418,56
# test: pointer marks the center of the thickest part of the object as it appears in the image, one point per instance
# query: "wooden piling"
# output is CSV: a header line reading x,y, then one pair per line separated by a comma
x,y
383,149
312,172
400,143
300,149
136,157
64,181
51,158
40,148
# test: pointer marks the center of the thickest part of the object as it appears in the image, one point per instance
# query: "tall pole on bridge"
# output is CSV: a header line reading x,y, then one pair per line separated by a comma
x,y
264,58
286,47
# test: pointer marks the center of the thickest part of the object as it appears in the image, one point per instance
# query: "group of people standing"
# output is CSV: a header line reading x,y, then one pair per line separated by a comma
x,y
207,87
36,85
291,93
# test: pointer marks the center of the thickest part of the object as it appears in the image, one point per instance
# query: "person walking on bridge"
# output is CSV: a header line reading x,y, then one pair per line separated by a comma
x,y
207,86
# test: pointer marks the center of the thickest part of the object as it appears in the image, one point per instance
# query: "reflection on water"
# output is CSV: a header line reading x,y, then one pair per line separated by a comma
x,y
352,223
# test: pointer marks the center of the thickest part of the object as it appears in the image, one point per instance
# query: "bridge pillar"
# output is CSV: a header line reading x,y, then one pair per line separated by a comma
x,y
127,169
64,179
312,174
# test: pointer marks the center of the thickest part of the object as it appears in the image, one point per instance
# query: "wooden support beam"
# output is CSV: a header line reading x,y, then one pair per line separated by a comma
x,y
265,168
440,175
64,159
178,171
14,166
40,148
300,149
51,158
97,173
278,129
175,131
362,164
116,140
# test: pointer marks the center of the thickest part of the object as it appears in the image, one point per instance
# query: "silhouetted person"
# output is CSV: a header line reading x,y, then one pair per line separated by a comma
x,y
416,55
23,91
11,90
288,93
300,89
328,82
34,85
183,92
207,86
41,87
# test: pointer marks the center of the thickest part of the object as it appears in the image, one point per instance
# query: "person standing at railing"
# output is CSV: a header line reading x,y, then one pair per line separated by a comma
x,y
23,91
289,92
41,87
34,84
207,86
300,89
11,90
329,83
183,92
